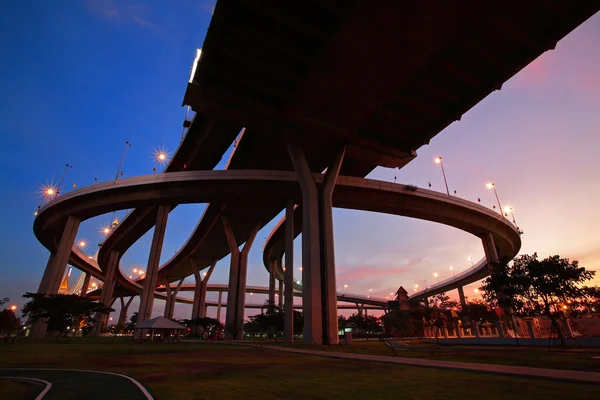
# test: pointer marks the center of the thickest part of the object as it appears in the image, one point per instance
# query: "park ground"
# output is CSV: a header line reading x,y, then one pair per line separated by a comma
x,y
209,371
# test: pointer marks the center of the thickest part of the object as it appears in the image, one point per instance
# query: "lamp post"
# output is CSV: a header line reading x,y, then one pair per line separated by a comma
x,y
127,144
470,259
492,186
437,276
161,157
345,287
453,272
370,291
509,209
438,160
62,178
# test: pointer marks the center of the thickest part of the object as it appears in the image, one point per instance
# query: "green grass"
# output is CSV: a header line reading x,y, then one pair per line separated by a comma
x,y
217,371
542,357
18,390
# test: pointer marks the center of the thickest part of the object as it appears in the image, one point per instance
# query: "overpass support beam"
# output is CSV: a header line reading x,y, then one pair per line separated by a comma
x,y
171,296
288,274
461,296
319,298
272,266
108,288
238,270
219,306
86,285
147,296
123,312
55,268
489,247
280,294
198,307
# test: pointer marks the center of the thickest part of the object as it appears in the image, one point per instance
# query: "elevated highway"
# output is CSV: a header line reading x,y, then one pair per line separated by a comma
x,y
318,83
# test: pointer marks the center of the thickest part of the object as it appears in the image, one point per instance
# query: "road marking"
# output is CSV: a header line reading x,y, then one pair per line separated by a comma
x,y
47,384
136,383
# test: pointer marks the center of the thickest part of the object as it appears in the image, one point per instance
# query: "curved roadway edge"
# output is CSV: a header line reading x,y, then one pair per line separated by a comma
x,y
208,186
47,385
406,200
136,383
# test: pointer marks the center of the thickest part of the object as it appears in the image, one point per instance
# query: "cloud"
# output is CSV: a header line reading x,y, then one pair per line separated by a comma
x,y
121,12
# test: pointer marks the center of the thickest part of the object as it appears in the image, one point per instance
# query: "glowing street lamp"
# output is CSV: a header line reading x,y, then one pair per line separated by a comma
x,y
106,230
370,291
82,244
476,290
492,186
345,287
509,209
161,157
13,308
436,275
438,160
453,272
470,259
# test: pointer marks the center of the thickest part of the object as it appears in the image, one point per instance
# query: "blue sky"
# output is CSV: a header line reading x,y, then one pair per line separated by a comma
x,y
80,78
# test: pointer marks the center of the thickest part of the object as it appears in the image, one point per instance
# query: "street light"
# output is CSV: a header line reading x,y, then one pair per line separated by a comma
x,y
438,160
13,308
370,291
470,259
161,156
82,244
62,178
127,144
345,287
436,275
476,290
453,272
509,209
492,186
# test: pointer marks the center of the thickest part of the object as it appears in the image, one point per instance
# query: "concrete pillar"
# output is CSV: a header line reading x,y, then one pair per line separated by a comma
x,y
219,306
319,297
489,247
106,294
147,296
86,285
328,278
280,294
123,312
272,266
461,296
236,296
198,307
171,298
288,274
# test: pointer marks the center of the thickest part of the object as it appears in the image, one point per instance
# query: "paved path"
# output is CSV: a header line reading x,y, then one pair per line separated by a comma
x,y
547,373
81,384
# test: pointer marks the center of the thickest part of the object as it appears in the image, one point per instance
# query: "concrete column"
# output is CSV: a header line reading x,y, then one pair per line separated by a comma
x,y
200,290
489,247
328,278
86,285
123,312
171,298
147,296
106,294
272,264
280,294
236,295
219,306
461,296
288,274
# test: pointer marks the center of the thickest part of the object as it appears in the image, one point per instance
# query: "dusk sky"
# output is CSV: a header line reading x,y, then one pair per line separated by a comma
x,y
79,78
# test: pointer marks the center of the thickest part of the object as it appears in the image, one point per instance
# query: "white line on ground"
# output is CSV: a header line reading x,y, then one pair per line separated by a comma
x,y
47,385
136,383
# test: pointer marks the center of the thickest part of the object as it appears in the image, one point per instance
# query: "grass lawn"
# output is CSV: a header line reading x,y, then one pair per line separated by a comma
x,y
209,371
16,389
542,357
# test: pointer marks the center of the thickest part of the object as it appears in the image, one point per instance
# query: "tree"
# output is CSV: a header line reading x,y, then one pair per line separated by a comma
x,y
443,302
130,326
365,323
4,301
270,320
342,322
532,286
8,320
62,311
